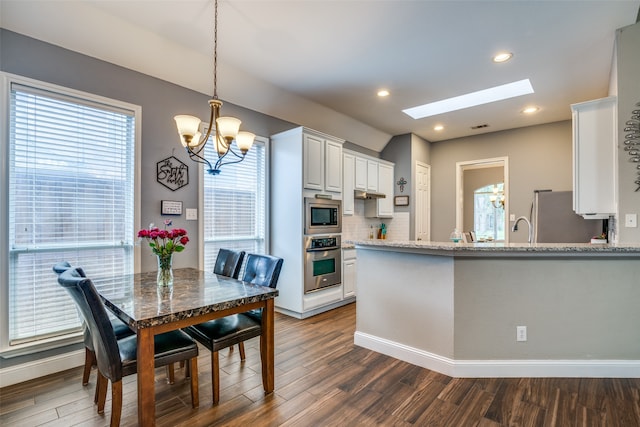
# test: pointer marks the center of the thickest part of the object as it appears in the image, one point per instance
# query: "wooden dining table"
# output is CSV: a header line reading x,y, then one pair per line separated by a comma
x,y
197,296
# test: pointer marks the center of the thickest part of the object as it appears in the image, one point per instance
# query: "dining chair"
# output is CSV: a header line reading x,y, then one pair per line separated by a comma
x,y
117,358
219,334
228,262
120,329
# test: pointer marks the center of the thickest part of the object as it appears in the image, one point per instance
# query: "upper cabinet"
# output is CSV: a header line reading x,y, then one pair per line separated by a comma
x,y
348,181
322,162
366,173
594,158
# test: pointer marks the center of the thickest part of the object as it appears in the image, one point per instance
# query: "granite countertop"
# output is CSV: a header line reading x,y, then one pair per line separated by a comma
x,y
501,249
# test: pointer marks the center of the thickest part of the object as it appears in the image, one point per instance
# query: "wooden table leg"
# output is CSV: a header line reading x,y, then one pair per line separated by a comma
x,y
267,347
146,385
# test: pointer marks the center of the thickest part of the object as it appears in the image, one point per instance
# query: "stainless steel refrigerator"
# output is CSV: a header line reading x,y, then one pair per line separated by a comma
x,y
554,220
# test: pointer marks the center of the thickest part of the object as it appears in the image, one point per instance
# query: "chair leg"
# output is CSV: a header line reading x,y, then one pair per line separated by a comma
x,y
116,403
102,392
192,367
89,361
171,375
215,377
187,369
241,347
99,379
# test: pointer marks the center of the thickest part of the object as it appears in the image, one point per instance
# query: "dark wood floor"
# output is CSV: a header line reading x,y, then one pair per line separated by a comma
x,y
322,379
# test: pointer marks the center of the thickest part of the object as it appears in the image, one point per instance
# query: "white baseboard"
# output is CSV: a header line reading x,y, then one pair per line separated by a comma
x,y
500,368
40,368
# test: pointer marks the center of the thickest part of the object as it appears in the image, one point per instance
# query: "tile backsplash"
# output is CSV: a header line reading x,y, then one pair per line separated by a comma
x,y
357,227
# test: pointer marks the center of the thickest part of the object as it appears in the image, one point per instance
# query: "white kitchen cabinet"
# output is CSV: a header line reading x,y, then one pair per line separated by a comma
x,y
348,183
303,163
333,166
382,208
372,175
385,186
361,174
349,272
322,163
594,158
313,162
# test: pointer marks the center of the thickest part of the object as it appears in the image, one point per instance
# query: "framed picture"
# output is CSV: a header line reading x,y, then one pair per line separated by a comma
x,y
170,207
401,200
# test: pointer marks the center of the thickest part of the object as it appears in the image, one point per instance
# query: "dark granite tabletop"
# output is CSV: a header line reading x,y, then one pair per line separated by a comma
x,y
136,300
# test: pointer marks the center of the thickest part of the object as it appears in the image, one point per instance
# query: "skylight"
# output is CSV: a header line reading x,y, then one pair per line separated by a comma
x,y
486,96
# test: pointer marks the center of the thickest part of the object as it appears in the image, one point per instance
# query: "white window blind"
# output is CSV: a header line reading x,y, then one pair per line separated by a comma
x,y
235,205
71,198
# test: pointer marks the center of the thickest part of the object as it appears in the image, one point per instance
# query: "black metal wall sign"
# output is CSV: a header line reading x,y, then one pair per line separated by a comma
x,y
172,173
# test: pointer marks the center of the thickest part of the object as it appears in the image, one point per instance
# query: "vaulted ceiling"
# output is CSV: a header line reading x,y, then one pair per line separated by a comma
x,y
320,63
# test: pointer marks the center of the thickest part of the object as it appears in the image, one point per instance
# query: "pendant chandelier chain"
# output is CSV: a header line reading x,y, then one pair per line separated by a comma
x,y
215,50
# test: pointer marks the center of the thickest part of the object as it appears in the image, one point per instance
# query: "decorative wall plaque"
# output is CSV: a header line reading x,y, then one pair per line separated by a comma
x,y
170,207
172,173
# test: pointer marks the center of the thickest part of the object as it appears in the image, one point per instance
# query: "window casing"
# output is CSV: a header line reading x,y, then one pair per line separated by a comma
x,y
235,205
70,197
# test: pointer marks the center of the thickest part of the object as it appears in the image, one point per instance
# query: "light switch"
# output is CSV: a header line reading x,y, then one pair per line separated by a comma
x,y
631,220
192,214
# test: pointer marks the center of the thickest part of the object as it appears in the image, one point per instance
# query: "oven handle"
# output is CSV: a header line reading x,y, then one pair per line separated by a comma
x,y
332,248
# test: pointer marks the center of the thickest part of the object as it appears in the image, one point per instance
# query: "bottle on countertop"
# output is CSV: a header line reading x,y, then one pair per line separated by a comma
x,y
455,236
371,232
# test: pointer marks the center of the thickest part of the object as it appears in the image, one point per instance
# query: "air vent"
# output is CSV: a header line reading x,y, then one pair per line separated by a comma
x,y
480,126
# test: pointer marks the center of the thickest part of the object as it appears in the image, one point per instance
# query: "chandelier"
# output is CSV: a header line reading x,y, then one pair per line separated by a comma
x,y
497,198
224,130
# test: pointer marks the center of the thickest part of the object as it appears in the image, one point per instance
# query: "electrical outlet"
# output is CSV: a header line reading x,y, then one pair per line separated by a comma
x,y
512,217
521,333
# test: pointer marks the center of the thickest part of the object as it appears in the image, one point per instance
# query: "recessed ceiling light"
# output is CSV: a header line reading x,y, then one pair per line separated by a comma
x,y
438,127
502,57
382,93
530,110
497,93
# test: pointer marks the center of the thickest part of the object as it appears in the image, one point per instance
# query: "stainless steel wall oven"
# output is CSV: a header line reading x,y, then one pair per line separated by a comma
x,y
322,262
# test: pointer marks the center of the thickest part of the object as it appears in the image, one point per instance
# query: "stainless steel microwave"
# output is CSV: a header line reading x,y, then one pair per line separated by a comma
x,y
322,216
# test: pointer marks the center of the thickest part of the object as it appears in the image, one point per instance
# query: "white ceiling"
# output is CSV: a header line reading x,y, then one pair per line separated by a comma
x,y
305,60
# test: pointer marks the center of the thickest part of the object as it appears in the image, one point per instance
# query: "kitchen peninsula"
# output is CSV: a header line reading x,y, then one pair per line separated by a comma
x,y
455,308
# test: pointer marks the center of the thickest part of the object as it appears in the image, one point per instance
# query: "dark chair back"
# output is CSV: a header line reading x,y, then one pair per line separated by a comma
x,y
60,268
263,270
228,263
105,345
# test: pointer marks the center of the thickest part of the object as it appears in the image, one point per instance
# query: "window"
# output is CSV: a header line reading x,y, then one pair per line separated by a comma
x,y
70,198
235,205
488,216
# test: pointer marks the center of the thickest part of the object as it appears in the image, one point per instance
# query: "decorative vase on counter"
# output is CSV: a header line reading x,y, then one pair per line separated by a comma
x,y
165,272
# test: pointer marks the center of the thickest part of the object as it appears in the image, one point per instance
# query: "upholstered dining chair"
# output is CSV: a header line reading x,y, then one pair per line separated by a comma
x,y
117,358
221,333
228,262
120,329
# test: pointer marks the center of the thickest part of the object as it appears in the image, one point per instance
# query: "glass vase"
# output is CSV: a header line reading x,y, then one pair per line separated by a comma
x,y
165,273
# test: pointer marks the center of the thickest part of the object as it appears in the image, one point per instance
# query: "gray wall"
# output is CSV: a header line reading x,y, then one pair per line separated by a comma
x,y
160,101
404,151
628,85
539,157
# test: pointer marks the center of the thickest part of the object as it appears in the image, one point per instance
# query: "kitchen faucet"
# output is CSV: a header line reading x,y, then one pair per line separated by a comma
x,y
515,227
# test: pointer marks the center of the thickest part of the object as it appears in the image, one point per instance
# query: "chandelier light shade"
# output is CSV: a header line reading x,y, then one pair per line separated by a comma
x,y
497,198
224,130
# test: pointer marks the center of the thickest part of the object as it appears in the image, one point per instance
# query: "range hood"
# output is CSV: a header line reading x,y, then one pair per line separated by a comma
x,y
367,195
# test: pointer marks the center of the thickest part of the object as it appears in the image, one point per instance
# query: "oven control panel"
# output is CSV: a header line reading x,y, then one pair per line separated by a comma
x,y
322,242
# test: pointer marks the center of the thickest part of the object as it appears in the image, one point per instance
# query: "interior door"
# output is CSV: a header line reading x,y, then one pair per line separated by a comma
x,y
422,205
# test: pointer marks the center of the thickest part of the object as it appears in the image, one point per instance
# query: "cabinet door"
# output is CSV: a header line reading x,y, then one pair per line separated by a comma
x,y
348,180
385,186
594,150
361,174
333,167
372,175
349,278
313,163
